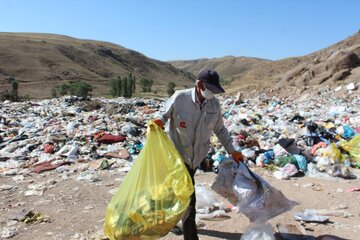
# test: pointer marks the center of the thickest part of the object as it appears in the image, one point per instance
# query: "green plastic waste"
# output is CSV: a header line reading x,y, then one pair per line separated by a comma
x,y
282,161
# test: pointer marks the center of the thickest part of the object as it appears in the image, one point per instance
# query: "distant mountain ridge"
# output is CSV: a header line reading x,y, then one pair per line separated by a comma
x,y
230,67
335,65
41,61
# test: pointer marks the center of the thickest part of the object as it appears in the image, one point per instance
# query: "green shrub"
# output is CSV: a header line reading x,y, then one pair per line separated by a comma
x,y
224,81
78,88
64,89
53,92
146,84
171,88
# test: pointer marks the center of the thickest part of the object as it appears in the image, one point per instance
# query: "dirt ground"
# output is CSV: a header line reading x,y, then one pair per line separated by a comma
x,y
75,209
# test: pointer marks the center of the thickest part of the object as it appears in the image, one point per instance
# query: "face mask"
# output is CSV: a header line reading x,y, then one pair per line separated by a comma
x,y
207,94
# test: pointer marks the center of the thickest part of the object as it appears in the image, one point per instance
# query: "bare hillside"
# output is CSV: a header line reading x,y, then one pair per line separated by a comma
x,y
229,67
41,61
335,65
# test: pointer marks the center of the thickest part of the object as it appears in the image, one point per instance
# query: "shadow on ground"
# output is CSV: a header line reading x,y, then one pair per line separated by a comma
x,y
218,234
237,236
290,236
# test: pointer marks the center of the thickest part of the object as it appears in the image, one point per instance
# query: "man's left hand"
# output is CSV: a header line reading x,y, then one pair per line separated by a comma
x,y
237,156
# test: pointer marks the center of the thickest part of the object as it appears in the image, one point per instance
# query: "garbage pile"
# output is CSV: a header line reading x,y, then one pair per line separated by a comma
x,y
314,135
51,134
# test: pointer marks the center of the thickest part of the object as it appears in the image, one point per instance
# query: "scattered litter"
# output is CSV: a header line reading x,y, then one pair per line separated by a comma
x,y
217,215
206,200
330,213
258,231
354,189
8,232
287,231
309,216
30,217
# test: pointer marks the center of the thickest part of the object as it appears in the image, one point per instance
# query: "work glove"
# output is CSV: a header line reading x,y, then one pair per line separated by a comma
x,y
159,122
237,156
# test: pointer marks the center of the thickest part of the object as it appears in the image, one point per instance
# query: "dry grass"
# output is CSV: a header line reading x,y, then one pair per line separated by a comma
x,y
328,67
41,61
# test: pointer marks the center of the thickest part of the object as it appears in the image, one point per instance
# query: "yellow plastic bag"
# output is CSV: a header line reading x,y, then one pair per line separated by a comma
x,y
334,153
154,194
353,147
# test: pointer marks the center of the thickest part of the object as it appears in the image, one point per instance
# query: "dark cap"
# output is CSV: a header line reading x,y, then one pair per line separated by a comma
x,y
211,80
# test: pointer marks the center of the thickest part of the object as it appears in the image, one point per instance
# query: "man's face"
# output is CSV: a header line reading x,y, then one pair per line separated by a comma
x,y
203,91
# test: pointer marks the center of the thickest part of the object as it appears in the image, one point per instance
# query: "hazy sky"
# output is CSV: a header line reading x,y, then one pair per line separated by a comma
x,y
190,29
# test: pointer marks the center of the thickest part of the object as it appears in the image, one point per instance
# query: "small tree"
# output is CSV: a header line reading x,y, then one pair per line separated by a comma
x,y
171,88
130,87
125,87
12,94
134,83
112,87
122,87
15,90
116,87
119,87
146,84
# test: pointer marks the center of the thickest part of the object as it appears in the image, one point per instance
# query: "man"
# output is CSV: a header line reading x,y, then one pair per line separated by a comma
x,y
194,114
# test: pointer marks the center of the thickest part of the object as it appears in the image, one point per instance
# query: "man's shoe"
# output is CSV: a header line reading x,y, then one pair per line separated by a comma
x,y
176,230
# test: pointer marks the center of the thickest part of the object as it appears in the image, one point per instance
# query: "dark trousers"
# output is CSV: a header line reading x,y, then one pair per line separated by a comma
x,y
189,224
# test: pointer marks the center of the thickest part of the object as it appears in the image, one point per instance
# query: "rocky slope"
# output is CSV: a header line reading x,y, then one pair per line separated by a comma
x,y
335,65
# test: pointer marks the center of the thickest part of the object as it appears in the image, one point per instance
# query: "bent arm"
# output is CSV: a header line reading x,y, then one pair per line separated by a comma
x,y
223,135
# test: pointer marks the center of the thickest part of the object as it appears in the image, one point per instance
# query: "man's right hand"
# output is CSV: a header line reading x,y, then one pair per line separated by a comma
x,y
237,156
159,122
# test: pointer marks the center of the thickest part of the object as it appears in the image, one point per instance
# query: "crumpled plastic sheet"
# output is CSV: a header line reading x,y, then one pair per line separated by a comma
x,y
206,200
254,197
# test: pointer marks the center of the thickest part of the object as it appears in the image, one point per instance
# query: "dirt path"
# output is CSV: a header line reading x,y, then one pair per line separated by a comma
x,y
76,208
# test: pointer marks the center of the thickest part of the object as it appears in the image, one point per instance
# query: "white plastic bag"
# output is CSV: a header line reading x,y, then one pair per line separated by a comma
x,y
224,181
258,231
206,200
